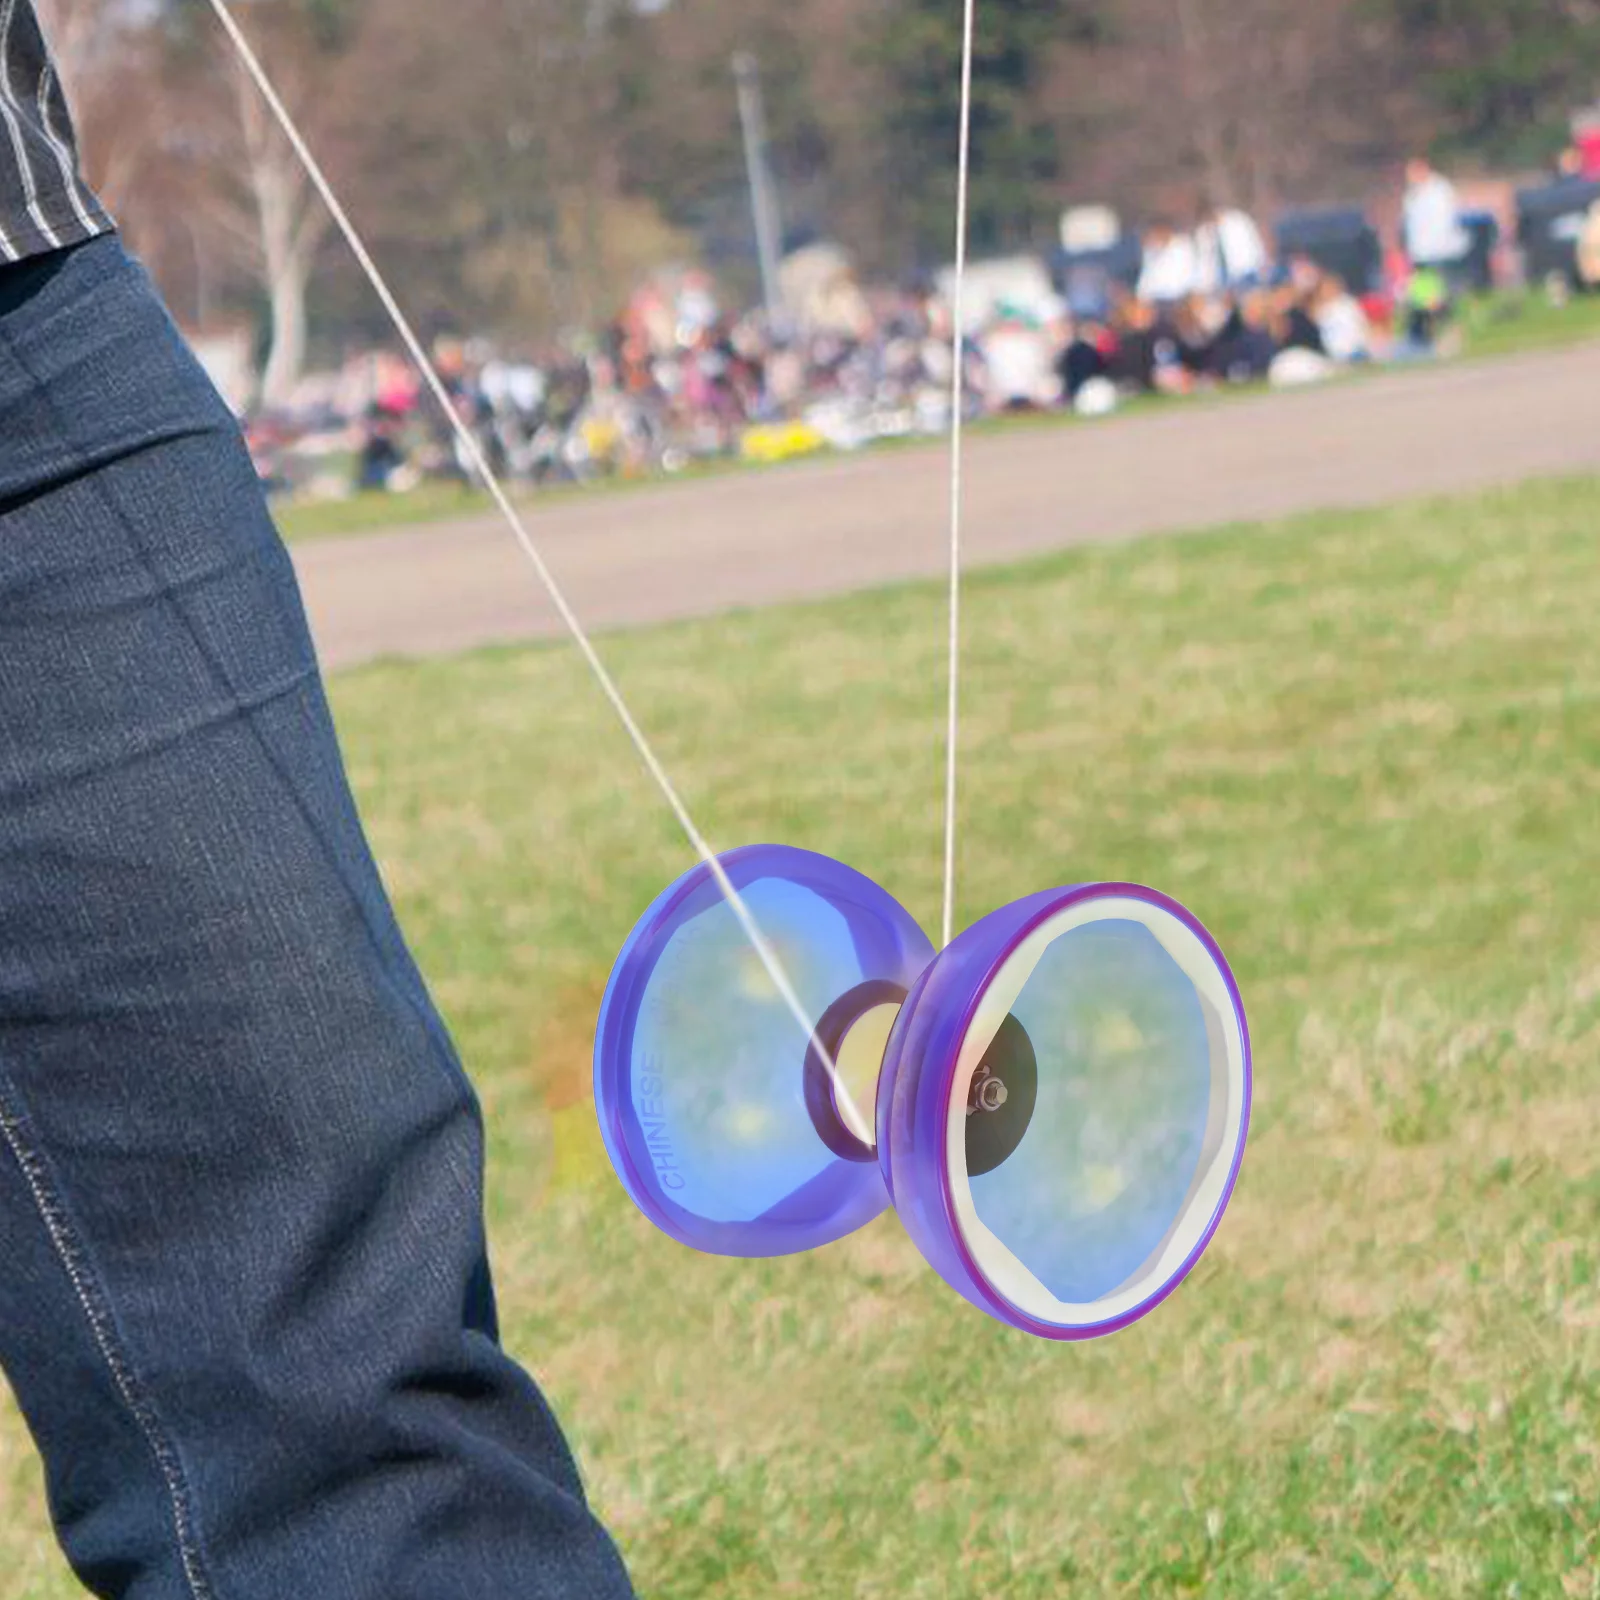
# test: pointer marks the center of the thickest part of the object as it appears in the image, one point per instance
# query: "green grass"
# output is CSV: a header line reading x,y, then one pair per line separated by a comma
x,y
380,513
1493,326
1366,750
1509,324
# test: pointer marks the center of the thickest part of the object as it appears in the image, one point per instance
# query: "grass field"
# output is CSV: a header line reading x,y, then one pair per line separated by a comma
x,y
1365,749
1497,326
1503,324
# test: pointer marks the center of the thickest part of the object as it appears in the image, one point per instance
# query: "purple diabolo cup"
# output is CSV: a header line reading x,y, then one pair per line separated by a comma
x,y
1056,1104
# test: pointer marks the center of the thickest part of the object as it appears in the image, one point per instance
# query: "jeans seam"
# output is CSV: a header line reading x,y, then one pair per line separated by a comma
x,y
94,1303
85,464
243,709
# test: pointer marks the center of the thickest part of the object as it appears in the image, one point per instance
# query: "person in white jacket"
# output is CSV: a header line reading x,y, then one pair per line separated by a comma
x,y
1434,233
1171,270
1231,255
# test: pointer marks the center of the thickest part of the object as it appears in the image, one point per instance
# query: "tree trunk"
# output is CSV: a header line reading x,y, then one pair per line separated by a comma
x,y
1203,95
287,354
291,224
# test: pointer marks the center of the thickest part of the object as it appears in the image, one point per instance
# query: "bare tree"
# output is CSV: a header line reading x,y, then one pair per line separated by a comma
x,y
182,150
289,217
1257,103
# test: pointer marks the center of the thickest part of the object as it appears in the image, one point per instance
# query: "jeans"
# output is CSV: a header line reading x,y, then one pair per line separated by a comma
x,y
245,1304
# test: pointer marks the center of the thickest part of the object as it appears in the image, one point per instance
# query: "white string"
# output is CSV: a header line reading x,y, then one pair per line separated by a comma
x,y
768,956
957,403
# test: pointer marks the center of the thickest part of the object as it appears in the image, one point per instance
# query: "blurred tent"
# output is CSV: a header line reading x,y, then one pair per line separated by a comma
x,y
1551,220
1340,240
1098,255
1089,230
1019,284
821,292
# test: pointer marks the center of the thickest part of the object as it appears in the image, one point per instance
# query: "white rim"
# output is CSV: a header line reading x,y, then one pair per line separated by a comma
x,y
1003,1270
858,1064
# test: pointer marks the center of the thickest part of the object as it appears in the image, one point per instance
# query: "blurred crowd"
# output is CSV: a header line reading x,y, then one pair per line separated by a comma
x,y
680,377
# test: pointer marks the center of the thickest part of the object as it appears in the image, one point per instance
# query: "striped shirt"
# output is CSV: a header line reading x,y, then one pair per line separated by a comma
x,y
44,202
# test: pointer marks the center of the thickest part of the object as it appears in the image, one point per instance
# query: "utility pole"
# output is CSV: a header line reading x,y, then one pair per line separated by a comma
x,y
763,200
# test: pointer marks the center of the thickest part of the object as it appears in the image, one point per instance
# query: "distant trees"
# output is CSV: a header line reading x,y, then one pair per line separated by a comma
x,y
1018,152
182,149
1500,76
264,203
112,79
490,159
517,163
1255,103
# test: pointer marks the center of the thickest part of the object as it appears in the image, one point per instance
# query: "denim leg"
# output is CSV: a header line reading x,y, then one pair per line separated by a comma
x,y
245,1304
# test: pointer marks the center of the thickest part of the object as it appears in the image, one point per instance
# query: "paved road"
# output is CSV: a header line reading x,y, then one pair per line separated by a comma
x,y
840,524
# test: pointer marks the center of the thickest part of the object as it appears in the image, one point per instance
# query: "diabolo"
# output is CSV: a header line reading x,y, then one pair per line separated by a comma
x,y
1056,1104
